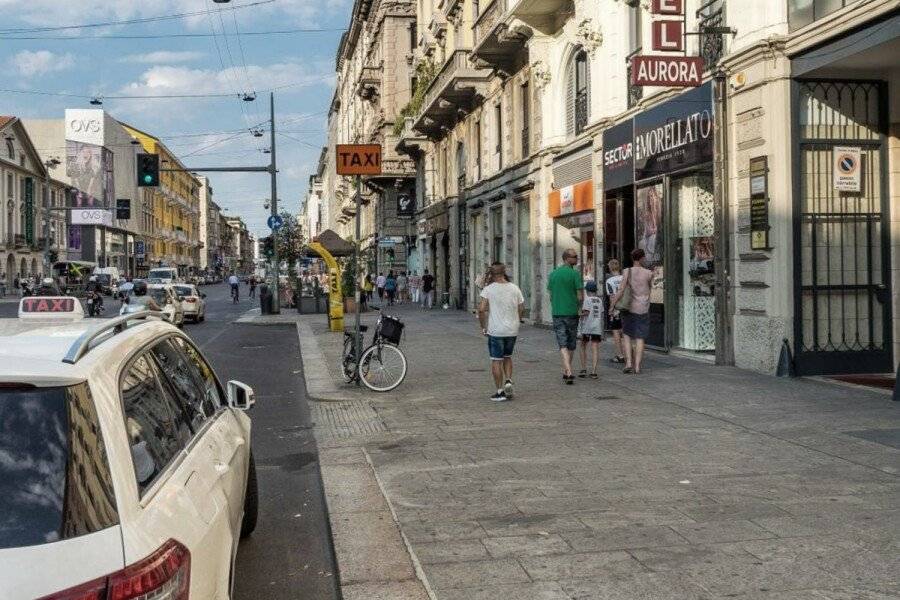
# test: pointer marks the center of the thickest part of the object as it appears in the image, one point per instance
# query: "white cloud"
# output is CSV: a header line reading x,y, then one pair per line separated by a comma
x,y
165,79
39,62
163,57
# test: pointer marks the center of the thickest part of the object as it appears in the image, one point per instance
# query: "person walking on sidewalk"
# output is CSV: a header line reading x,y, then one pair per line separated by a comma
x,y
252,283
368,287
379,285
415,287
636,320
613,282
500,313
427,290
402,287
591,328
565,286
390,287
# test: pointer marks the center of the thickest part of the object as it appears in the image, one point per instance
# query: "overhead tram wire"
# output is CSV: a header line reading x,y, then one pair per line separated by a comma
x,y
19,30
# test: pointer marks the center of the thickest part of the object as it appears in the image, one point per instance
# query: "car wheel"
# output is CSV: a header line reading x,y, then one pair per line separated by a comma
x,y
251,500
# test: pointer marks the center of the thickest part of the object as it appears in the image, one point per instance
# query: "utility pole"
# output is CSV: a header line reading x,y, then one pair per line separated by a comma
x,y
276,301
356,271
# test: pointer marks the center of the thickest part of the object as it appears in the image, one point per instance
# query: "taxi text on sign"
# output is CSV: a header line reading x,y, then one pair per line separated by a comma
x,y
358,159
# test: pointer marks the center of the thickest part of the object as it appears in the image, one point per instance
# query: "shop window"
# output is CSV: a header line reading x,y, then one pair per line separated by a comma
x,y
497,234
577,94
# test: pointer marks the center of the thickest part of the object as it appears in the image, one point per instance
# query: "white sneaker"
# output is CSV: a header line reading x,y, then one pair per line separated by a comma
x,y
499,396
508,389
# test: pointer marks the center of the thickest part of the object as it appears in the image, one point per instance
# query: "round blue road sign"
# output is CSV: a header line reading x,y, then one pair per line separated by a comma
x,y
275,222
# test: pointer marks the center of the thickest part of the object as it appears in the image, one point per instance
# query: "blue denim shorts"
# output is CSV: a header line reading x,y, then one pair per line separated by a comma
x,y
566,330
500,347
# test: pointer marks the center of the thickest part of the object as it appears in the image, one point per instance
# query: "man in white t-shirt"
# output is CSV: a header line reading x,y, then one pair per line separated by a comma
x,y
500,314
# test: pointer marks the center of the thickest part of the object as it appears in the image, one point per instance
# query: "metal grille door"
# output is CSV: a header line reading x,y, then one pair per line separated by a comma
x,y
843,312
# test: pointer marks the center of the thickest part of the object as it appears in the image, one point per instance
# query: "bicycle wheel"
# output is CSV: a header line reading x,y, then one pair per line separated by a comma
x,y
382,367
348,364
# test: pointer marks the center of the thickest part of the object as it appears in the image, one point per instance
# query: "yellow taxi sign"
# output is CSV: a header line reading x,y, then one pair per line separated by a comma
x,y
358,159
50,307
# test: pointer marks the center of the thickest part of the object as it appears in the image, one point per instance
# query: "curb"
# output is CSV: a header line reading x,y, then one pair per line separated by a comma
x,y
319,383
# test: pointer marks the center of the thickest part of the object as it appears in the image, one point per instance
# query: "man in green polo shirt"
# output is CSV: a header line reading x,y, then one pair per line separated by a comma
x,y
566,290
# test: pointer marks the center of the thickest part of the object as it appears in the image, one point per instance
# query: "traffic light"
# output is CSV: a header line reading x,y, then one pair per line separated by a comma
x,y
268,246
147,170
123,208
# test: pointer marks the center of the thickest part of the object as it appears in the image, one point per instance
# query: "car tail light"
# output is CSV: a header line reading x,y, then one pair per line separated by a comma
x,y
164,575
191,300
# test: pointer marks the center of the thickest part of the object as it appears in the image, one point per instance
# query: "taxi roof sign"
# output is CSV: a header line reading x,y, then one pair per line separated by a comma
x,y
50,307
358,159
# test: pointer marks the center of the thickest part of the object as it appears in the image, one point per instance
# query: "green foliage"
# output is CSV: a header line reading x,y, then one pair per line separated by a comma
x,y
425,74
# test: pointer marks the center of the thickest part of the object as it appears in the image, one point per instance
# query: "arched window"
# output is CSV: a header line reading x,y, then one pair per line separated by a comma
x,y
10,148
578,85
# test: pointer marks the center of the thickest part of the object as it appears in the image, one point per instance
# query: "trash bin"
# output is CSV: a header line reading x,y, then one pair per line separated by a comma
x,y
265,300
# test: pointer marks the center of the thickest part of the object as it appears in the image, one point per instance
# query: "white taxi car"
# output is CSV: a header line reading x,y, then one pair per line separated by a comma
x,y
193,302
125,465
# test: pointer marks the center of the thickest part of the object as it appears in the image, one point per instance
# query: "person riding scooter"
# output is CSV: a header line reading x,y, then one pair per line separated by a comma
x,y
139,300
48,288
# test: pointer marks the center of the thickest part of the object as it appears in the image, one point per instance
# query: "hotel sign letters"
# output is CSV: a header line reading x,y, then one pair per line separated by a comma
x,y
667,36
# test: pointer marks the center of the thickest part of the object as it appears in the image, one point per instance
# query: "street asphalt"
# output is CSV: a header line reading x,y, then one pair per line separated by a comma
x,y
290,554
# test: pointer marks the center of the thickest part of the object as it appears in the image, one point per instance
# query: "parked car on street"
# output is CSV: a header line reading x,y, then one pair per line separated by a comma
x,y
193,302
127,469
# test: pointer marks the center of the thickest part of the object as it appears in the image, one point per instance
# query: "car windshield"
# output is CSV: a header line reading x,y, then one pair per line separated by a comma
x,y
104,278
184,290
161,274
154,280
54,477
158,295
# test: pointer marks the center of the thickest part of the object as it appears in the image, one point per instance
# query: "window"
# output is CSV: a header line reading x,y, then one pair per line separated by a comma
x,y
526,120
497,234
55,482
461,164
476,10
635,42
577,94
10,148
413,37
10,186
804,12
157,429
498,120
191,378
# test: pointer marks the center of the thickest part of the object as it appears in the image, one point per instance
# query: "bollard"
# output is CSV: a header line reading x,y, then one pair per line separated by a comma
x,y
785,361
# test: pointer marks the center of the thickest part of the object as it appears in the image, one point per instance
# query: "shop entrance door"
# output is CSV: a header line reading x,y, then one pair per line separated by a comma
x,y
618,227
842,266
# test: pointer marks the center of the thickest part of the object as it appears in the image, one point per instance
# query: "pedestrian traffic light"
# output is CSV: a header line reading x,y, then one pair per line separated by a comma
x,y
123,208
148,170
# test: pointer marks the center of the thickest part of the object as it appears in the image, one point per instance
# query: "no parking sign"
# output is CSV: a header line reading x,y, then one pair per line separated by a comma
x,y
847,168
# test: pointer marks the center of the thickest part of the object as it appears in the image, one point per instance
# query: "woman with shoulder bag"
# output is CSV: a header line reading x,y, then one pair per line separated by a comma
x,y
633,301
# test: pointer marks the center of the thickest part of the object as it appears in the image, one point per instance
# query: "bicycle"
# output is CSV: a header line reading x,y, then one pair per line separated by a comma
x,y
382,365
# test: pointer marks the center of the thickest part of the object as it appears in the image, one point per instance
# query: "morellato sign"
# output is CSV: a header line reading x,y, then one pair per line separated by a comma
x,y
667,71
674,135
618,156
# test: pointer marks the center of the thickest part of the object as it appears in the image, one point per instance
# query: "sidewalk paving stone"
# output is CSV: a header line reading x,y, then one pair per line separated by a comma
x,y
689,481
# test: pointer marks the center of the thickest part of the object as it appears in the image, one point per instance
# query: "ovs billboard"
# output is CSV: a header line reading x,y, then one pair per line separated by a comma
x,y
85,125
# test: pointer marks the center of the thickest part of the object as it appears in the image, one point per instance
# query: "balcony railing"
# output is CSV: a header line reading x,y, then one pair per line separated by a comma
x,y
497,44
454,88
488,20
547,16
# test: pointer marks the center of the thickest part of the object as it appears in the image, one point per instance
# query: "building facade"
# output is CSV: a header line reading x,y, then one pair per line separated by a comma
x,y
241,257
375,80
762,193
28,184
210,234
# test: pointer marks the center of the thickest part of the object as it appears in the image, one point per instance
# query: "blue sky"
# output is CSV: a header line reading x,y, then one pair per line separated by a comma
x,y
300,64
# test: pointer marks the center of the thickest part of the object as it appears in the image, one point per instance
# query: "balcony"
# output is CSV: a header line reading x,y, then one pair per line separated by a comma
x,y
547,16
452,93
498,44
369,82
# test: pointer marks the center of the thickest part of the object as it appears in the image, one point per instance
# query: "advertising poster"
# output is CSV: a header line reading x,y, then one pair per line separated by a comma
x,y
648,221
84,166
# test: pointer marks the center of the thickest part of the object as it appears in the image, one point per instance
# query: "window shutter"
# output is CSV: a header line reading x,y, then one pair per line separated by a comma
x,y
570,99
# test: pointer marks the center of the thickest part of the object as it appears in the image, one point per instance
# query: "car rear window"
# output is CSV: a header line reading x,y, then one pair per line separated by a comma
x,y
184,290
54,477
159,296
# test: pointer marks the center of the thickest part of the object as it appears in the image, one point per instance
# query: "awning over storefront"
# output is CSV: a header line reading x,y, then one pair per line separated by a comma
x,y
572,199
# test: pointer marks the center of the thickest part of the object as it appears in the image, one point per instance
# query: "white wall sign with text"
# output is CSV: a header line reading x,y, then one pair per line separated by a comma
x,y
848,168
92,216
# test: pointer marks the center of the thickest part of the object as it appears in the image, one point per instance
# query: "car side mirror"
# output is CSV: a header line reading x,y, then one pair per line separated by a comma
x,y
240,395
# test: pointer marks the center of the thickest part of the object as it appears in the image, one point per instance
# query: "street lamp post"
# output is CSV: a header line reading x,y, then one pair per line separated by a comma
x,y
50,163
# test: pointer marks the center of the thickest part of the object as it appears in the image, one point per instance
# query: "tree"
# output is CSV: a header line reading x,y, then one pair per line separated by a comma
x,y
290,244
